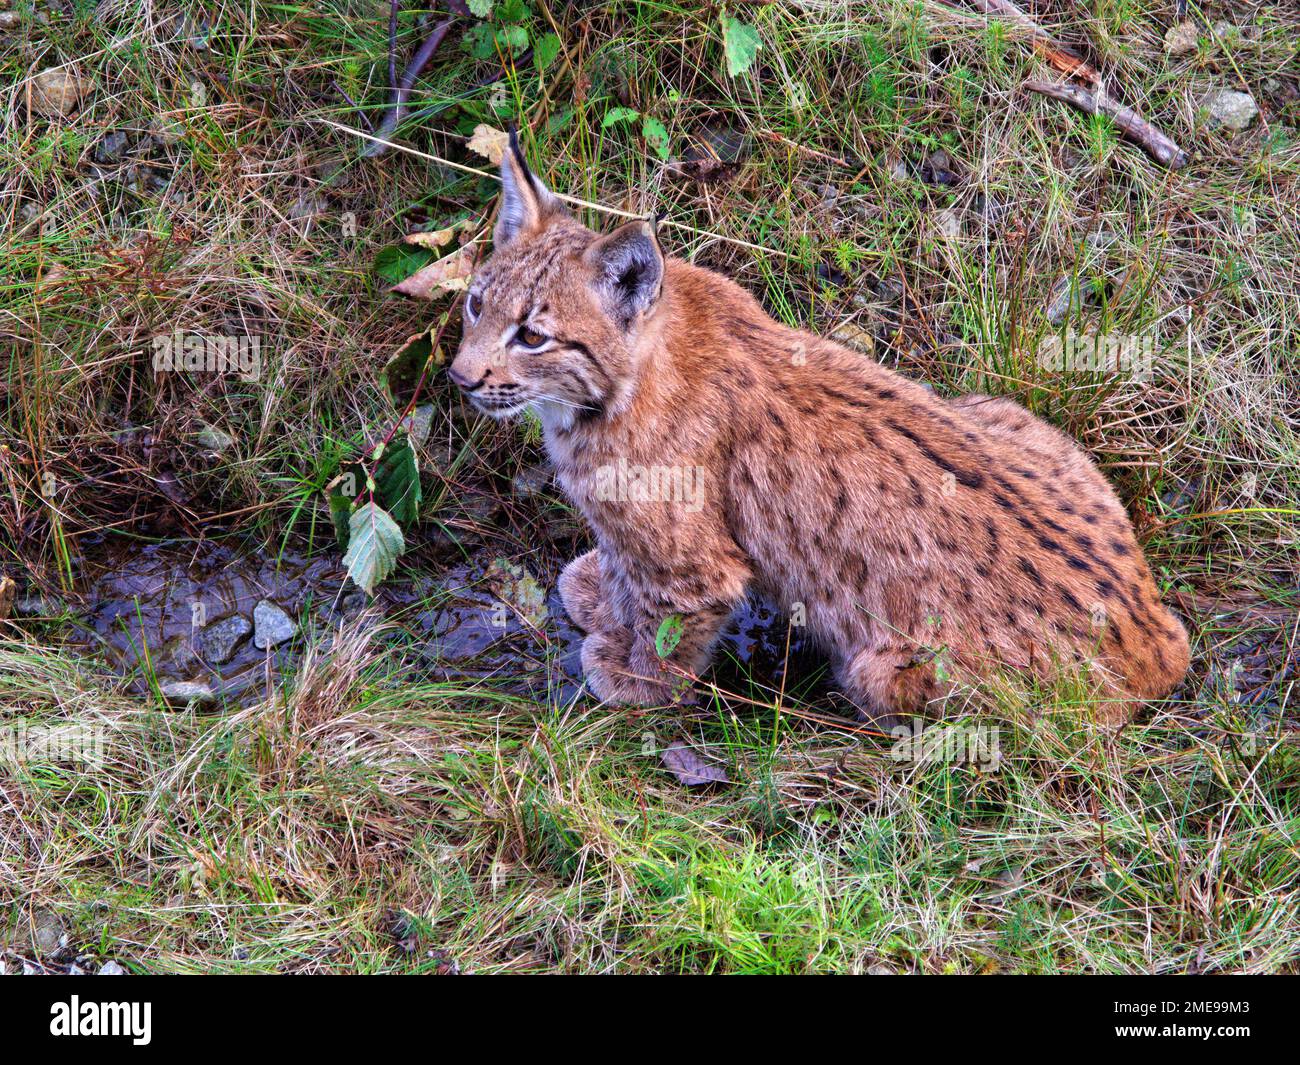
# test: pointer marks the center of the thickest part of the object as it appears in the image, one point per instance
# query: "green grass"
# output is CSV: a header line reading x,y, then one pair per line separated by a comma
x,y
371,819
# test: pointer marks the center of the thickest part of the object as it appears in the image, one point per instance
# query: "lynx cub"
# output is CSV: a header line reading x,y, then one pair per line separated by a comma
x,y
715,451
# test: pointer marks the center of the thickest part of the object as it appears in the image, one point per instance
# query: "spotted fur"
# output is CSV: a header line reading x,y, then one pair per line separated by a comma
x,y
922,540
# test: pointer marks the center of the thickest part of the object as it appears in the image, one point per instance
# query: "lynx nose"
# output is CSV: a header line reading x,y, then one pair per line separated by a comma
x,y
465,382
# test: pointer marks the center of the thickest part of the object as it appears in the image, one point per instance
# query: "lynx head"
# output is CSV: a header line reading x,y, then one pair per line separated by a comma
x,y
554,318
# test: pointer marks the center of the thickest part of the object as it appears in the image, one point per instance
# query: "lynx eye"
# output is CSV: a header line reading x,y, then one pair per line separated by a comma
x,y
528,337
474,306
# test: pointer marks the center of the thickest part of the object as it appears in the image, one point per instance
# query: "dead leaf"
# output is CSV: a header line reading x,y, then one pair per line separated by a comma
x,y
451,273
7,589
438,239
488,142
689,768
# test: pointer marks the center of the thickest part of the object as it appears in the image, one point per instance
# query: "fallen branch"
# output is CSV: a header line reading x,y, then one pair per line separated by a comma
x,y
1061,57
401,90
1127,121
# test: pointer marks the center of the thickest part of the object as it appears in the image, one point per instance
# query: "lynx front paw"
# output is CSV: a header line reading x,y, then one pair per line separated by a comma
x,y
579,587
612,680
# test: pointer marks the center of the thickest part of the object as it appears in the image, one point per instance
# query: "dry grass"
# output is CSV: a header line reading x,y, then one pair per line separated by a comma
x,y
371,820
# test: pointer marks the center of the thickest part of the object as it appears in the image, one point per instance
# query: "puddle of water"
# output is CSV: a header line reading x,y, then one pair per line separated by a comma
x,y
155,610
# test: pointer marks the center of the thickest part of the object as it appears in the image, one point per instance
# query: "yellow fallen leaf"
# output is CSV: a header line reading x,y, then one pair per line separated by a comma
x,y
451,273
489,142
437,239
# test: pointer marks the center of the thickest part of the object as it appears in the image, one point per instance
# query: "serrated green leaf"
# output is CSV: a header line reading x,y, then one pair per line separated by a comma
x,y
513,39
397,482
740,45
619,114
656,135
669,635
545,49
374,543
480,8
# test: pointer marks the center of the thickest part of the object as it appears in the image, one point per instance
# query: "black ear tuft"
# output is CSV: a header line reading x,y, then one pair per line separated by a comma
x,y
629,269
525,201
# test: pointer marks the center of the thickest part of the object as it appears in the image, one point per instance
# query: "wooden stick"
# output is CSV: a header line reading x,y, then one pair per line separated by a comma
x,y
1129,122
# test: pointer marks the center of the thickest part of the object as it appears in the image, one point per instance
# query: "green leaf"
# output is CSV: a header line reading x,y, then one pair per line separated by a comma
x,y
619,114
480,8
513,39
740,45
374,542
669,635
401,260
656,135
341,493
545,49
397,482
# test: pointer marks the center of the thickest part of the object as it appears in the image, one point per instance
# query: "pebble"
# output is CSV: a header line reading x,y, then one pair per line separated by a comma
x,y
1181,38
271,625
111,147
218,641
187,693
1230,109
56,92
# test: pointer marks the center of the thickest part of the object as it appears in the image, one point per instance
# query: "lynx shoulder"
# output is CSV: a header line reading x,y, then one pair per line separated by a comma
x,y
715,452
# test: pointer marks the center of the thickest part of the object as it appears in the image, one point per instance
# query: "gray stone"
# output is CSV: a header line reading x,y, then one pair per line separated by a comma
x,y
948,224
1230,109
1181,38
38,606
214,439
218,641
47,932
112,147
531,481
187,693
271,625
111,968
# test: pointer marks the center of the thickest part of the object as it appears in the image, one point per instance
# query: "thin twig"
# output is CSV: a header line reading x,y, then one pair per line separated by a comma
x,y
574,200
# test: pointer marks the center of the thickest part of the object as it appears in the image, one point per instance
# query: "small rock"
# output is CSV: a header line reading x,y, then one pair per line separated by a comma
x,y
898,171
9,19
1231,109
56,92
213,439
187,693
531,481
38,606
1181,38
419,423
519,590
271,625
880,970
112,147
166,132
937,169
948,224
111,968
218,641
47,932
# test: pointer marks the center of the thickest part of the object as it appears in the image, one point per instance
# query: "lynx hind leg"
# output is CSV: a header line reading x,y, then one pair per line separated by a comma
x,y
579,587
890,684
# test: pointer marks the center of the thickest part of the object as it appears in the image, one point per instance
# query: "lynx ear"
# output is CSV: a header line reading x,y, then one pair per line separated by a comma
x,y
629,267
525,201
